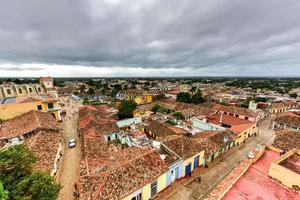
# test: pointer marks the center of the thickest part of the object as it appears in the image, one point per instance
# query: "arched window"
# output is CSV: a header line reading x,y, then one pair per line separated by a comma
x,y
30,90
20,90
39,89
8,91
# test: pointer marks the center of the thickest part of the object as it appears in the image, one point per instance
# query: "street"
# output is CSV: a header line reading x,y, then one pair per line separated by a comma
x,y
215,173
69,172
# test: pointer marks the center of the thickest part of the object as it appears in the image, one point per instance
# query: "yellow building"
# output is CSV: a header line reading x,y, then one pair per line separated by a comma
x,y
286,169
243,132
140,97
12,107
145,192
189,150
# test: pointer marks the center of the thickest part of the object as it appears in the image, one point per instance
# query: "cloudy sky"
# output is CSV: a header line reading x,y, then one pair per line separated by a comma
x,y
150,38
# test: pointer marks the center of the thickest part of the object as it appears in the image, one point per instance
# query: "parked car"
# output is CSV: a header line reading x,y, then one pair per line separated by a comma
x,y
72,143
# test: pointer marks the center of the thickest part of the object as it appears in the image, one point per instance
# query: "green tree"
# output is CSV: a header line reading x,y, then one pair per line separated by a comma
x,y
126,109
178,115
155,108
3,193
15,164
197,98
184,97
19,179
39,186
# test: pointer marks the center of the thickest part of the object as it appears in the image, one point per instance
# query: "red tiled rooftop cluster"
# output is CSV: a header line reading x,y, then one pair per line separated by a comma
x,y
26,123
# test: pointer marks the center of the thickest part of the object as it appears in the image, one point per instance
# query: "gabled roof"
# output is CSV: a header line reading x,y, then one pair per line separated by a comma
x,y
27,122
134,169
184,146
160,129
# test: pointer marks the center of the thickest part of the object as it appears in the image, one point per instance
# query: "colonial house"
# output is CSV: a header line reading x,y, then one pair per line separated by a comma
x,y
139,96
14,106
279,107
189,150
286,121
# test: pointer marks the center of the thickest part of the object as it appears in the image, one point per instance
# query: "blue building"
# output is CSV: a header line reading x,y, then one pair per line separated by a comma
x,y
174,163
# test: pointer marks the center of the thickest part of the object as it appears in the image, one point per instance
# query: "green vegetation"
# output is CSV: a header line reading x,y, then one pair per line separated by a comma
x,y
178,115
58,83
279,86
157,108
126,109
20,181
186,97
3,193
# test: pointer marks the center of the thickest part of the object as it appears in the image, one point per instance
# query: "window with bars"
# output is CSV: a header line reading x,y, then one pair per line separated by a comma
x,y
153,189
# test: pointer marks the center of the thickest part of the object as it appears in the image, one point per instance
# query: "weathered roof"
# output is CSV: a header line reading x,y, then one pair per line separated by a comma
x,y
44,145
27,122
184,146
287,140
160,129
289,119
132,171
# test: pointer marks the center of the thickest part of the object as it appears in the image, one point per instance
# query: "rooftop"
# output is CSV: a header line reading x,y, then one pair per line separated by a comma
x,y
292,163
287,140
27,122
256,184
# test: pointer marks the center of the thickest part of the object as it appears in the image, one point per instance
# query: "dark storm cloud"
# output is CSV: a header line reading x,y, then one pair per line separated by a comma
x,y
186,34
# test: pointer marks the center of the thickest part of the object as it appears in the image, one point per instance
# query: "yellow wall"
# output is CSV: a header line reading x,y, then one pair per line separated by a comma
x,y
146,190
284,175
191,160
8,111
244,135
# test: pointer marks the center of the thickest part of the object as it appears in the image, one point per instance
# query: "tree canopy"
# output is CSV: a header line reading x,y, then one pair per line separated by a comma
x,y
20,182
126,109
186,97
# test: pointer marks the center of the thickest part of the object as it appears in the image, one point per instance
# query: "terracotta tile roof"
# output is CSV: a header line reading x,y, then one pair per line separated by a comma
x,y
193,109
287,140
284,104
160,129
213,141
240,128
235,110
44,145
227,119
126,177
27,122
184,146
290,119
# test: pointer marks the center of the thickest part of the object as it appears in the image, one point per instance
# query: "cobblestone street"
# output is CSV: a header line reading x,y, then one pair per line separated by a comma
x,y
69,172
218,168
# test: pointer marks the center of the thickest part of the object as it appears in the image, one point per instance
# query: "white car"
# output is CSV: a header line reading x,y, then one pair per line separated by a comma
x,y
250,155
72,143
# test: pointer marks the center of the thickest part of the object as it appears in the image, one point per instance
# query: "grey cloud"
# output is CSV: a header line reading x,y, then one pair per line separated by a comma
x,y
209,34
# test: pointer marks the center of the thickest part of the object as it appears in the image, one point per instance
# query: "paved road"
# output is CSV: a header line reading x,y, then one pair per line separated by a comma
x,y
210,178
69,172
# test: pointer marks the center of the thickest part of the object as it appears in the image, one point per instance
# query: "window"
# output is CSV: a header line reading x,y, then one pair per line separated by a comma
x,y
39,89
237,115
30,90
246,118
50,105
20,90
137,197
8,91
153,189
39,107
